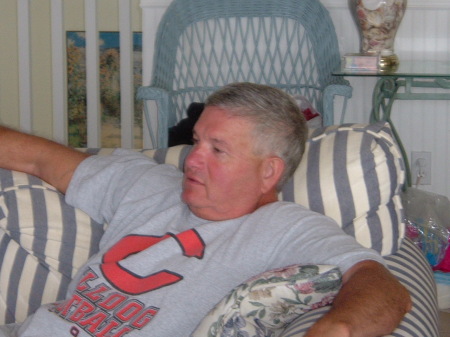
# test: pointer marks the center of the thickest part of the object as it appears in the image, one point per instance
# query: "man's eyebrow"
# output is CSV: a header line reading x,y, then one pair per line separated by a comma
x,y
221,142
215,141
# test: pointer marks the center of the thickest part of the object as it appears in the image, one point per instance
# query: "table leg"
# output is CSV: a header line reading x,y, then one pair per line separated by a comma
x,y
382,100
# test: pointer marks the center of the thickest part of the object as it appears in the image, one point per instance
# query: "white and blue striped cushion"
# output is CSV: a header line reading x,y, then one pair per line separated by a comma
x,y
354,174
43,242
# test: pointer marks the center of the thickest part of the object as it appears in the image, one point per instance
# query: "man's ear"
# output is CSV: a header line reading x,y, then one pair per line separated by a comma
x,y
273,168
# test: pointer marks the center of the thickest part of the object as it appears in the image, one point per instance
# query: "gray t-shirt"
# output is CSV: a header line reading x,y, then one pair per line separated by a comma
x,y
160,268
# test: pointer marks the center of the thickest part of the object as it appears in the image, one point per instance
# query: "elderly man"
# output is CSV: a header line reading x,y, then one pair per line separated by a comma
x,y
177,243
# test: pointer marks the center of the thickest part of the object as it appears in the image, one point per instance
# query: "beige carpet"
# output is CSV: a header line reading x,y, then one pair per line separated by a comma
x,y
444,323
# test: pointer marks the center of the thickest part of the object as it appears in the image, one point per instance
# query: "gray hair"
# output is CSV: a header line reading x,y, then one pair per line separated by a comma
x,y
279,126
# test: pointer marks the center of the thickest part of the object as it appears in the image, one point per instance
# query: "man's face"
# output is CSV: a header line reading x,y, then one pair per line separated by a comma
x,y
223,177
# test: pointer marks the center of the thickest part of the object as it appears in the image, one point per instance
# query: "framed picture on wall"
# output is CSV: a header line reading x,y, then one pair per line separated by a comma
x,y
109,64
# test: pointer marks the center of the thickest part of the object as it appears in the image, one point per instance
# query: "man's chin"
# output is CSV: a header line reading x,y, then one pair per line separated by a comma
x,y
198,208
190,198
198,211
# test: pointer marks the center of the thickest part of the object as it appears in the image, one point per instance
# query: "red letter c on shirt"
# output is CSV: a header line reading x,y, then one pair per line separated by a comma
x,y
191,245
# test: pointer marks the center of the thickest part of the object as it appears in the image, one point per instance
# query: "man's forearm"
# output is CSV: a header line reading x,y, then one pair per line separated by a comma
x,y
41,157
371,303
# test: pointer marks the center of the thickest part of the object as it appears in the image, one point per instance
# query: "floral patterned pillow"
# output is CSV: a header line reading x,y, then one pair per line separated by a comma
x,y
267,303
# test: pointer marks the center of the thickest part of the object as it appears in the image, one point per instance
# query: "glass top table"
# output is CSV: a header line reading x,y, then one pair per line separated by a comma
x,y
419,69
409,76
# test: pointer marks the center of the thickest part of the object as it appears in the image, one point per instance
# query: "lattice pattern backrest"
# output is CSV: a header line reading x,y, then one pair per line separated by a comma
x,y
204,44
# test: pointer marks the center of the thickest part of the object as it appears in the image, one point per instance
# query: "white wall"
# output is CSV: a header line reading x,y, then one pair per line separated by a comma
x,y
424,34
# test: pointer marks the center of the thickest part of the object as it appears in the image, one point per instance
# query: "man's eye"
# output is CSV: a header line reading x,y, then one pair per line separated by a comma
x,y
217,150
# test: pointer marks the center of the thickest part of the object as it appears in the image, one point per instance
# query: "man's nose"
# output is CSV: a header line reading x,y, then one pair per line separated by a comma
x,y
196,157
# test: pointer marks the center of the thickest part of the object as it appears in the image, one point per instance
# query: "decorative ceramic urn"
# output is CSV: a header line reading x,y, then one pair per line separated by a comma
x,y
378,22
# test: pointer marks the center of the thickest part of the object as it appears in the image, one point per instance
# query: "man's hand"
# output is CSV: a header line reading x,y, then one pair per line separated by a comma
x,y
371,302
38,156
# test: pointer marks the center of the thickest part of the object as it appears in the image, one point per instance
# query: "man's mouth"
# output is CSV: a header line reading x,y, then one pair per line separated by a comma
x,y
191,179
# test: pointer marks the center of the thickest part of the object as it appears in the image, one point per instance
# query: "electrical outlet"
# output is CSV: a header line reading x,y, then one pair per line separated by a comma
x,y
420,168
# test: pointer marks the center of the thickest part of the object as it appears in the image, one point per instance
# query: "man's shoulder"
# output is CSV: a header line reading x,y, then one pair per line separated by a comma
x,y
287,209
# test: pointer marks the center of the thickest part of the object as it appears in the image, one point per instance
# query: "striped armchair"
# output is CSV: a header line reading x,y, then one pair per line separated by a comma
x,y
352,173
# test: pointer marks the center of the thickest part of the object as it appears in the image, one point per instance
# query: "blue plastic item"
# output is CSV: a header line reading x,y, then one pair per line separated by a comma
x,y
202,45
